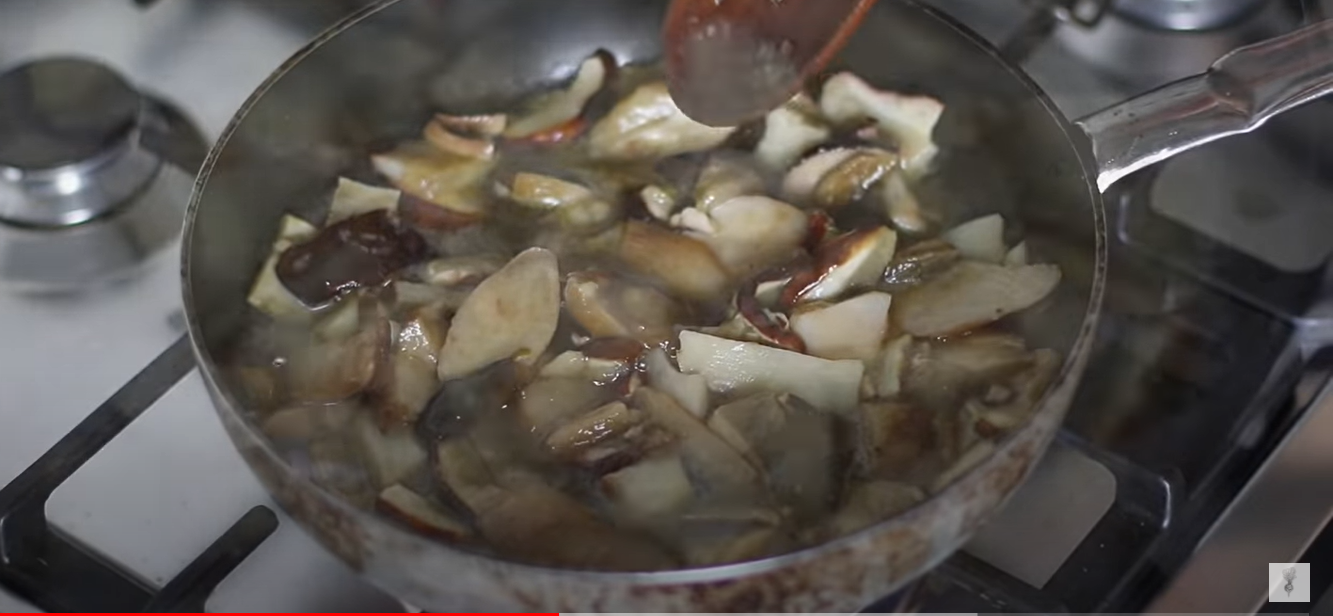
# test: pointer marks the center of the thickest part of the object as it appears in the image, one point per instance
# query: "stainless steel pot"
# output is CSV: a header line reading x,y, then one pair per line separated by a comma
x,y
377,76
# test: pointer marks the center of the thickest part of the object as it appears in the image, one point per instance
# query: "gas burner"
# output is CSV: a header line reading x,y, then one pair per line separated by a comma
x,y
1143,44
1191,15
94,176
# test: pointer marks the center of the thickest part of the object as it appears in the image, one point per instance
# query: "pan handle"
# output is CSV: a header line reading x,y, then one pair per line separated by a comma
x,y
1238,94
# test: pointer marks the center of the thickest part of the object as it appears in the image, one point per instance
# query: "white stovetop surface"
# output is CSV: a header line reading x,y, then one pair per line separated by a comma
x,y
171,483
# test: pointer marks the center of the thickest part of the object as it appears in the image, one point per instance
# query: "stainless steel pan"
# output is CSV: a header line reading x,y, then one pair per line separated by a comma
x,y
377,76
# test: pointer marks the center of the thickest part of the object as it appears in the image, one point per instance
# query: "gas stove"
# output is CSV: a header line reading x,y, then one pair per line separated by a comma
x,y
1195,453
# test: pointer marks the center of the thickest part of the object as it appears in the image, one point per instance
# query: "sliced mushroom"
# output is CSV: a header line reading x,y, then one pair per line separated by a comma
x,y
607,306
647,125
576,365
851,329
363,251
461,469
894,437
559,108
942,374
546,192
871,503
920,263
694,220
340,322
441,134
607,439
972,294
981,239
1000,414
685,265
855,260
548,402
661,202
793,443
389,455
428,216
745,368
754,233
407,381
540,525
410,296
853,178
901,207
720,474
353,198
511,315
884,374
1017,256
724,178
308,422
791,130
649,491
485,125
690,391
801,182
337,370
267,294
456,183
462,271
420,514
759,325
732,536
461,402
908,120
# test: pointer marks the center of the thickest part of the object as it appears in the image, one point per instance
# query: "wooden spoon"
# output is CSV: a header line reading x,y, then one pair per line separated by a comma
x,y
729,61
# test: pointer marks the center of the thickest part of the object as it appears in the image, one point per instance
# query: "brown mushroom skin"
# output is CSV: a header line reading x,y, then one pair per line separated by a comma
x,y
362,251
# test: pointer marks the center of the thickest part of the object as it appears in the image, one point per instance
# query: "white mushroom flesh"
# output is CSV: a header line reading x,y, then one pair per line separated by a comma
x,y
690,391
353,198
754,233
970,295
981,239
851,329
268,294
790,131
511,315
743,368
648,125
562,106
908,120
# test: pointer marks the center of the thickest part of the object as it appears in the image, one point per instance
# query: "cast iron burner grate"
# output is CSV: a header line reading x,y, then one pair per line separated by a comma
x,y
57,573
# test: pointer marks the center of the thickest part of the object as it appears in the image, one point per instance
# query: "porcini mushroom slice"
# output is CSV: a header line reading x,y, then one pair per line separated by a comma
x,y
407,380
546,192
462,271
720,473
576,365
855,260
485,125
972,294
685,265
981,239
610,307
548,402
884,374
754,233
362,251
267,294
441,135
1018,256
793,443
908,120
789,131
940,374
921,262
872,502
851,329
724,178
511,315
554,109
607,438
420,514
650,490
540,525
893,436
353,198
337,370
747,368
801,182
661,202
853,178
647,125
456,183
389,455
688,390
901,206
